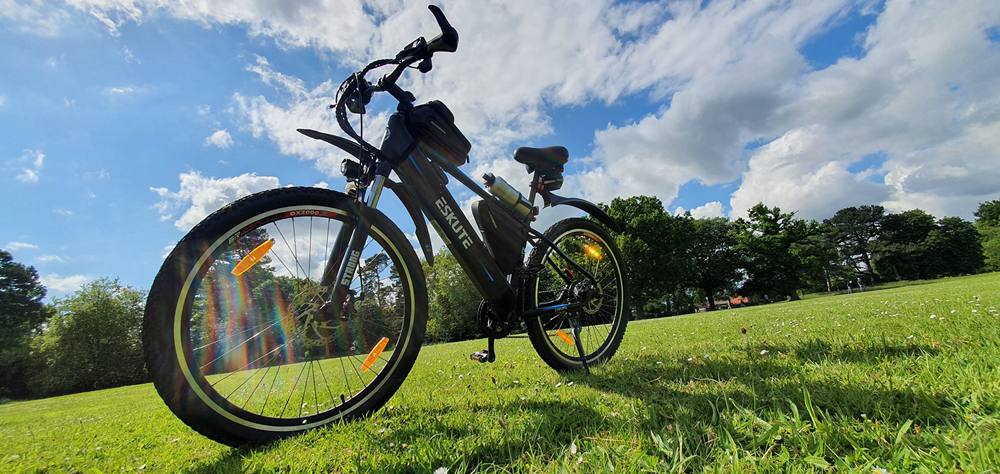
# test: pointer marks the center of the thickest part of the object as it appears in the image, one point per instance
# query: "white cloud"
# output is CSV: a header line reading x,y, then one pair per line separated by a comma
x,y
707,210
799,172
125,90
923,89
51,259
63,284
15,245
3,100
63,212
219,139
31,162
36,17
924,95
199,196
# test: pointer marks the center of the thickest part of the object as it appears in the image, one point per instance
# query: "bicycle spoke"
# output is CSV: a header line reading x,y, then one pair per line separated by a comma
x,y
276,325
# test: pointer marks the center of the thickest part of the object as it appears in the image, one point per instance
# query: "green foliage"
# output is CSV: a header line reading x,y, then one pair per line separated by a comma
x,y
716,261
991,246
453,301
656,246
766,238
94,340
901,249
988,213
988,225
824,263
954,248
855,229
831,384
21,314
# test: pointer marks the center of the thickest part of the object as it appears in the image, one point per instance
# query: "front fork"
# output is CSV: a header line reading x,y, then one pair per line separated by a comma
x,y
339,271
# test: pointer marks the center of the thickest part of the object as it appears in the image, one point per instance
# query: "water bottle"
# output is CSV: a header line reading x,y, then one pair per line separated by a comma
x,y
508,195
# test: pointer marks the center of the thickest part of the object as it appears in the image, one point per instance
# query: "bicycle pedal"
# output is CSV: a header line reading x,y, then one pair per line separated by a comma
x,y
481,356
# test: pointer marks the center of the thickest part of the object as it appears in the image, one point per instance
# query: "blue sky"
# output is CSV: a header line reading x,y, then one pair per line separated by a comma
x,y
125,122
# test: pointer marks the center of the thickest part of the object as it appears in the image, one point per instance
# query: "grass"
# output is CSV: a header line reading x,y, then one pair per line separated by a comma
x,y
904,379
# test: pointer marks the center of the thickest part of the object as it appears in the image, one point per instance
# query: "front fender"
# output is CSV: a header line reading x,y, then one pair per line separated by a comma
x,y
401,192
552,200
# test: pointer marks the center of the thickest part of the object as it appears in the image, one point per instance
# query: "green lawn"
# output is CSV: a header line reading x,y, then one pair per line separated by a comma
x,y
904,379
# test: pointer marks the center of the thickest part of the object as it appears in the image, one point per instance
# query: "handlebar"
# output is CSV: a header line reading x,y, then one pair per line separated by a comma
x,y
448,39
355,92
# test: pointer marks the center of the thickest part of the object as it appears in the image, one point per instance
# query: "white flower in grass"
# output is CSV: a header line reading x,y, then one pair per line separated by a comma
x,y
763,352
880,470
441,470
933,316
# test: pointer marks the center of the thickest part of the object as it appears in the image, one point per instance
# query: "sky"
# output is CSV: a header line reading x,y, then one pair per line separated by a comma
x,y
125,122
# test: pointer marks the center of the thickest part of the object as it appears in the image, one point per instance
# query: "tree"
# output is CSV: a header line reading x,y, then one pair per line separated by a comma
x,y
954,248
453,301
901,249
988,225
855,229
824,262
21,315
991,246
716,261
988,213
766,238
93,341
657,247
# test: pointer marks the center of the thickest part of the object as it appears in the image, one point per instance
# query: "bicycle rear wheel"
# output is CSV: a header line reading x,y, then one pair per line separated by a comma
x,y
243,343
603,320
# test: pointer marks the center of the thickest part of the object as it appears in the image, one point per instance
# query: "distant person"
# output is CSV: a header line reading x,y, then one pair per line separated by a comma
x,y
861,286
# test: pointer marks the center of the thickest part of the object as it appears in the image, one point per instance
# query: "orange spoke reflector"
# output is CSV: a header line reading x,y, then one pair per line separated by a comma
x,y
373,355
565,337
253,257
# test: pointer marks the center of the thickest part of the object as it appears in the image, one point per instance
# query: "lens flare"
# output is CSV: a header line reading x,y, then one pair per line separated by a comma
x,y
593,251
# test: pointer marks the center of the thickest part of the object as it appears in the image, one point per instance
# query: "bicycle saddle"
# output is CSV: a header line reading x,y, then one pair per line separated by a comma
x,y
550,158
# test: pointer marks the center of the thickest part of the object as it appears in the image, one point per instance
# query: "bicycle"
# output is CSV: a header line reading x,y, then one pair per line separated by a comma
x,y
296,307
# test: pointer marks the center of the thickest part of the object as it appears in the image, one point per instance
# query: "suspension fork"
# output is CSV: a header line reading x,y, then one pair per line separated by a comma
x,y
351,238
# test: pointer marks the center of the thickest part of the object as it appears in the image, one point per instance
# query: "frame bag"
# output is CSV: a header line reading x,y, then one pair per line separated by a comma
x,y
504,237
433,127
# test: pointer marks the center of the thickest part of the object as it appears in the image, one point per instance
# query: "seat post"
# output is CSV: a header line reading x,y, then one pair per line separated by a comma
x,y
534,188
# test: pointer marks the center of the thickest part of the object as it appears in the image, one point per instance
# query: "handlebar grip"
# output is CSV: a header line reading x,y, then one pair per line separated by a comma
x,y
448,39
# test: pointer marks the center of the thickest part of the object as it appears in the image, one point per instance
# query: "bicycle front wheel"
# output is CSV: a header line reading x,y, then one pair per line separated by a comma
x,y
243,342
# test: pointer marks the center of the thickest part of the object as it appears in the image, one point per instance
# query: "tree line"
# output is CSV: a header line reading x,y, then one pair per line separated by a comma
x,y
678,263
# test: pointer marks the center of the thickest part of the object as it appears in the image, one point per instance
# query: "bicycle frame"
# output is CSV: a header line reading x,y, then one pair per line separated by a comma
x,y
423,190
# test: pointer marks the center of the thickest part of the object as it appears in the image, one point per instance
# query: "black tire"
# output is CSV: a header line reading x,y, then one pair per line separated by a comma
x,y
164,309
538,333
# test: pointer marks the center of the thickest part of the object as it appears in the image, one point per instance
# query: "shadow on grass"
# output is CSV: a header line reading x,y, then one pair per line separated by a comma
x,y
554,423
689,397
695,389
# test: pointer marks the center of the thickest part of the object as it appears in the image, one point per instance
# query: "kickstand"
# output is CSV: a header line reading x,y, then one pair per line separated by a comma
x,y
579,345
485,355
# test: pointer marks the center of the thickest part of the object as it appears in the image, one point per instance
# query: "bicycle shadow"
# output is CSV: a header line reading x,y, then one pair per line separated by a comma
x,y
559,422
687,396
